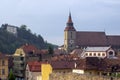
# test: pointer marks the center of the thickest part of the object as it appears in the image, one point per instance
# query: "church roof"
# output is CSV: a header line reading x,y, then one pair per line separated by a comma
x,y
113,40
91,38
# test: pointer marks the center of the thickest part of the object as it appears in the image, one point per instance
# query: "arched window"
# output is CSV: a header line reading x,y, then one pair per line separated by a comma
x,y
111,53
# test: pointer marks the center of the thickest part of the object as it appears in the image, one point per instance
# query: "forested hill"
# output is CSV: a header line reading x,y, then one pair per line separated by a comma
x,y
10,42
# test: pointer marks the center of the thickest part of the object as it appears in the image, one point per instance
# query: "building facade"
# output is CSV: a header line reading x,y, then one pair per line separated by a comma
x,y
100,52
10,28
23,55
3,67
33,71
82,39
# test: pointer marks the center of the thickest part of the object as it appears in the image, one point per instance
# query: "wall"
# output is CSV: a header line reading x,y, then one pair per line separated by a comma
x,y
72,76
5,67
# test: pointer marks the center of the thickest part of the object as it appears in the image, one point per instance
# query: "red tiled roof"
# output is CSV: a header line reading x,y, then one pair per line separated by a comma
x,y
35,66
44,51
91,39
30,48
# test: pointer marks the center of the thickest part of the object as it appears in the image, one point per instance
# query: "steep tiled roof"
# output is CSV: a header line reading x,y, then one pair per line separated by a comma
x,y
91,39
30,48
113,40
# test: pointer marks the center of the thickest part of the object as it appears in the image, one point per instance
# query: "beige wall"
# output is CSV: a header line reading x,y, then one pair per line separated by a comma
x,y
5,68
69,35
73,76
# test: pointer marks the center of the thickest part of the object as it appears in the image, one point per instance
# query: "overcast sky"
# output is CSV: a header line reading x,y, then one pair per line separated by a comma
x,y
48,17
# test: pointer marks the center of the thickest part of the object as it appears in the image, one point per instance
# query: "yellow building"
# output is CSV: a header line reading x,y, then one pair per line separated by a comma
x,y
3,67
46,71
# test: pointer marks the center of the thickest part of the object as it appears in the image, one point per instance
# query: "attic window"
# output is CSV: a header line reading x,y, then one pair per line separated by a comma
x,y
103,54
86,54
94,54
98,54
90,54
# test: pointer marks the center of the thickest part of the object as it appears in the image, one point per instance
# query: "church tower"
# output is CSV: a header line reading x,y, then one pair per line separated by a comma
x,y
69,35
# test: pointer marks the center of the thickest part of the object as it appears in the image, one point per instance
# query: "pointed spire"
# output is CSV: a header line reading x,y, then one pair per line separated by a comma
x,y
69,25
69,18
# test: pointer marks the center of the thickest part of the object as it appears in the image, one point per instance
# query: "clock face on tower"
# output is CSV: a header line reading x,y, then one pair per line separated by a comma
x,y
71,41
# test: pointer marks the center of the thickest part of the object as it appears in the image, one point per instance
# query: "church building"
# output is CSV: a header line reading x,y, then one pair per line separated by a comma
x,y
82,39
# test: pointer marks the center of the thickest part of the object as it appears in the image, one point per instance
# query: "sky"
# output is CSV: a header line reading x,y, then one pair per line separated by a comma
x,y
48,17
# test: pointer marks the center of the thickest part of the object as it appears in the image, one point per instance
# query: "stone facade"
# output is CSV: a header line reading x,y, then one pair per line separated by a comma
x,y
73,76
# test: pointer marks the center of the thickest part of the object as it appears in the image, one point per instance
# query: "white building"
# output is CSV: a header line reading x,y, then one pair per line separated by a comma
x,y
10,28
100,52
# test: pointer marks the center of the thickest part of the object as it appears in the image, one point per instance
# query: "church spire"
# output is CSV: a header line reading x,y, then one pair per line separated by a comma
x,y
69,18
69,25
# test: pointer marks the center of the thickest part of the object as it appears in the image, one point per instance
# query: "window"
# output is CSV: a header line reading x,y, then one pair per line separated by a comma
x,y
103,54
3,62
94,54
86,54
110,53
71,35
90,54
22,58
0,71
3,71
98,54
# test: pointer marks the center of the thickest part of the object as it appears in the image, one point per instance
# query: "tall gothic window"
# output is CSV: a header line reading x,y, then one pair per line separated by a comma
x,y
71,35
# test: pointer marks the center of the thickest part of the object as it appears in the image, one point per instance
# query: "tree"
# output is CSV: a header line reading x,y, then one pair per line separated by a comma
x,y
50,50
11,75
24,27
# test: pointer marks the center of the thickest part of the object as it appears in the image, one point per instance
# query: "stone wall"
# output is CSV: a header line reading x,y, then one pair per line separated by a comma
x,y
73,76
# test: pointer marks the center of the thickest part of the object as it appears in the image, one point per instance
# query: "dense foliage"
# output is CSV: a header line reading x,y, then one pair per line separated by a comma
x,y
9,42
11,76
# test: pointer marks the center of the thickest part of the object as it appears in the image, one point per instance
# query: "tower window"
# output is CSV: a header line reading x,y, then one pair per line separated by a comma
x,y
71,35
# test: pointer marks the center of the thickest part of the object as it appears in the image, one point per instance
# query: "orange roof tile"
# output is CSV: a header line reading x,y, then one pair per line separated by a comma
x,y
35,66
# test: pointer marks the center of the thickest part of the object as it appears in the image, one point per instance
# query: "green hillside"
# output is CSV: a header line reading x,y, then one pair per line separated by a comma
x,y
9,42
